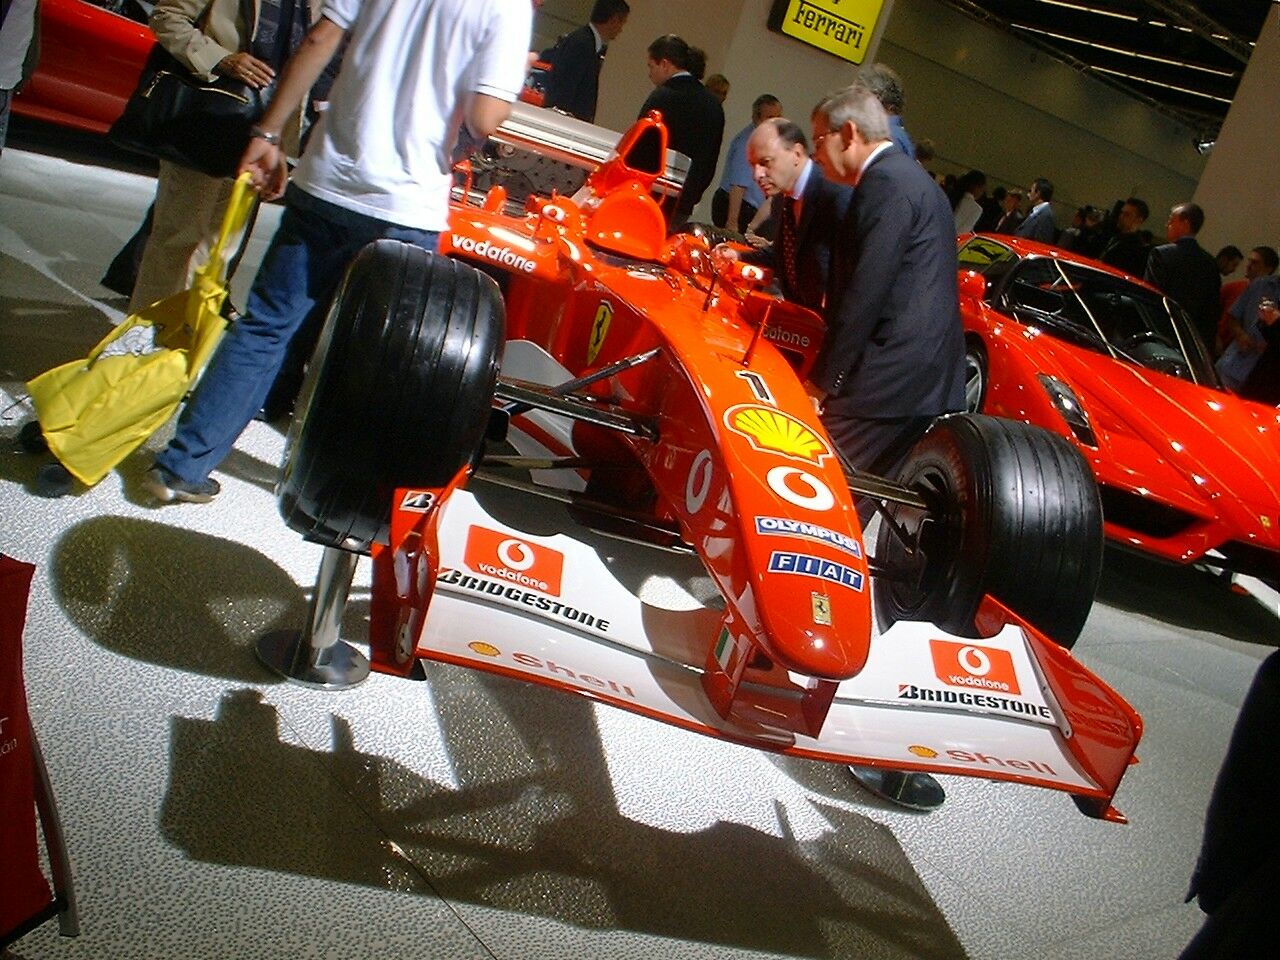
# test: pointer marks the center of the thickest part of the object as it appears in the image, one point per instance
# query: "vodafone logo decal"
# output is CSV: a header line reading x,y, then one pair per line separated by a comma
x,y
516,554
978,668
800,488
698,485
504,557
975,660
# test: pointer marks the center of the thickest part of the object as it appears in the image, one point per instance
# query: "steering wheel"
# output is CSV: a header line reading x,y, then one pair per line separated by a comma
x,y
1145,336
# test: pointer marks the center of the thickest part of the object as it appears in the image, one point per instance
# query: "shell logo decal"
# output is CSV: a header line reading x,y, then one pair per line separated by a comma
x,y
484,649
772,431
927,752
1266,521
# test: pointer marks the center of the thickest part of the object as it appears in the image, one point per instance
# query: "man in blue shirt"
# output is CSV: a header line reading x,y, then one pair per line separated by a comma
x,y
885,83
739,196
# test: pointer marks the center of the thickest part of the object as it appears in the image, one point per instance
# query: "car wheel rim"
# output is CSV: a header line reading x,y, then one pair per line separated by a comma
x,y
974,382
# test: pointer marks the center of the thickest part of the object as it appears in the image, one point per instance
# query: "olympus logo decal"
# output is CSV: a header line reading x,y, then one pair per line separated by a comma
x,y
698,485
488,250
816,495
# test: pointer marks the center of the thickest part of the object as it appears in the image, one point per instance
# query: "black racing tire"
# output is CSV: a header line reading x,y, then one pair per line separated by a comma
x,y
976,373
1015,512
398,392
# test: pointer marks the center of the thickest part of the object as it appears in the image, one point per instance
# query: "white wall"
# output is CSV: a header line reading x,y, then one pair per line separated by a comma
x,y
984,98
1238,189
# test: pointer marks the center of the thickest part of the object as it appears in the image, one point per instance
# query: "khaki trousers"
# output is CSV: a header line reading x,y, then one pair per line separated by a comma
x,y
189,209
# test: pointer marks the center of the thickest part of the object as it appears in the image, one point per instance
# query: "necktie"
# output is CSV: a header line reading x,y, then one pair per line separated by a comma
x,y
787,236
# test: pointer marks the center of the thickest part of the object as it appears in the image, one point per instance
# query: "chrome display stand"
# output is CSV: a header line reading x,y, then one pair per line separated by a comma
x,y
316,656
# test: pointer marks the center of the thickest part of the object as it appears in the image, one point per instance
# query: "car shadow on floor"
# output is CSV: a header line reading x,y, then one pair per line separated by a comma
x,y
532,827
1184,596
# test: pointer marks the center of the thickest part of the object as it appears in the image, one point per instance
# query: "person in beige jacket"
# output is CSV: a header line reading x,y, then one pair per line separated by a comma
x,y
210,38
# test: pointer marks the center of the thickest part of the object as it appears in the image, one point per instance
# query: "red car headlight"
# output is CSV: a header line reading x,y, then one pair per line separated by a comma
x,y
1069,408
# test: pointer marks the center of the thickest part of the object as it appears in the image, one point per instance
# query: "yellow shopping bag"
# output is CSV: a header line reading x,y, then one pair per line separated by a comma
x,y
94,412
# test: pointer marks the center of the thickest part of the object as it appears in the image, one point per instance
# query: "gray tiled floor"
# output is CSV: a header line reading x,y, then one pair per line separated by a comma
x,y
215,812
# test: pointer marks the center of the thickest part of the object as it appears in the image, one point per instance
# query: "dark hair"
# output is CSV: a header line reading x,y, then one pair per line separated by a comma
x,y
608,9
971,179
885,83
789,132
1190,212
1140,205
697,64
1232,251
998,194
925,150
762,101
671,48
1269,257
1043,187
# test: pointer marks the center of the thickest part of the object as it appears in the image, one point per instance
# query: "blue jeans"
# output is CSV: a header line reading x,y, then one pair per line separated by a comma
x,y
306,261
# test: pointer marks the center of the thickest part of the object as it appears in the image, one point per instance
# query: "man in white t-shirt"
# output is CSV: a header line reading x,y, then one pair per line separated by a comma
x,y
377,166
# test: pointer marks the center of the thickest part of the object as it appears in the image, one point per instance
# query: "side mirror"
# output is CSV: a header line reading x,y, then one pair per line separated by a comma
x,y
973,285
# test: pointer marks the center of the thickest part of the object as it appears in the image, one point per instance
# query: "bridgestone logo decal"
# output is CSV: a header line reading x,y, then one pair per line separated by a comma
x,y
908,691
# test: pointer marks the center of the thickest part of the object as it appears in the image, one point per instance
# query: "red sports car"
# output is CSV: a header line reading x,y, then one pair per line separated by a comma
x,y
1187,471
90,58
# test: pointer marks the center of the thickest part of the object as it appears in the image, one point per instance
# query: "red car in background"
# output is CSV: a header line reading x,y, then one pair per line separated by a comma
x,y
1188,472
90,57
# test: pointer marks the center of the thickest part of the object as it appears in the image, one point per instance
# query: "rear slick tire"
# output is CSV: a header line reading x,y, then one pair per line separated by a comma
x,y
397,394
1015,513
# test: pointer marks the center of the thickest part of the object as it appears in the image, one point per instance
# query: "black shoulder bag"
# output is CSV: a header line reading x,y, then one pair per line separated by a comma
x,y
197,123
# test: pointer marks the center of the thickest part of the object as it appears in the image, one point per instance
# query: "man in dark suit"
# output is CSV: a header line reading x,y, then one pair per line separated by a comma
x,y
807,206
1126,251
573,82
1039,224
693,115
1010,212
893,356
1187,272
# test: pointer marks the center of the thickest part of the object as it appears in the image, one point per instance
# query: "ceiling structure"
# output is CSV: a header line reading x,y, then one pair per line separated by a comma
x,y
1182,58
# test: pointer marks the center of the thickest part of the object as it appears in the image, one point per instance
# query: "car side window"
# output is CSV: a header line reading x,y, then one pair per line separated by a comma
x,y
1040,294
988,257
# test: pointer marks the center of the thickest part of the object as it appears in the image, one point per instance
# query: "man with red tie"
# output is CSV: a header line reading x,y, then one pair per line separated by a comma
x,y
807,206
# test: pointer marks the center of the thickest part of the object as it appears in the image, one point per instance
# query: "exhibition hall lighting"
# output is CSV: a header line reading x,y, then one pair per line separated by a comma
x,y
1157,83
1124,52
1084,8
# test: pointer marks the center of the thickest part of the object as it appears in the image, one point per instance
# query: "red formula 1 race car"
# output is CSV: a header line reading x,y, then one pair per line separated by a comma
x,y
90,57
658,395
1187,471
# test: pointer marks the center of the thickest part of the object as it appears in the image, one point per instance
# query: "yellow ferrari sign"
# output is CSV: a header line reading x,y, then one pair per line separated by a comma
x,y
840,27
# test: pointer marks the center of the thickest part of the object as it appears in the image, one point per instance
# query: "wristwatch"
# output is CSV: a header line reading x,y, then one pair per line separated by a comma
x,y
259,134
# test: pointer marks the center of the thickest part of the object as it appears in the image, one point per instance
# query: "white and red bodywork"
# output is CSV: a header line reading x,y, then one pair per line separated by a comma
x,y
735,459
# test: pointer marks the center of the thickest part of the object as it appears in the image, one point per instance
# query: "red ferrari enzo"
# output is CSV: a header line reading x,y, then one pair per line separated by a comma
x,y
1188,472
90,56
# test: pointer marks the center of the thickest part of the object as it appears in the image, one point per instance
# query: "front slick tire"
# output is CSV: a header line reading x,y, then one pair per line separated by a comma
x,y
1015,513
398,392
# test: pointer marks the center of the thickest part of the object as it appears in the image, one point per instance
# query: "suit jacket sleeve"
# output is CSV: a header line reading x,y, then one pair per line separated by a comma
x,y
876,234
1157,274
573,65
174,23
